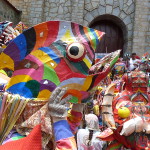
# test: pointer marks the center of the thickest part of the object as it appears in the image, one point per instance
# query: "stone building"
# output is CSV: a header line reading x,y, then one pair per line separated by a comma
x,y
9,12
126,22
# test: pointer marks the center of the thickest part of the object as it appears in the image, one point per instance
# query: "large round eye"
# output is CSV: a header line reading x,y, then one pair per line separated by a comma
x,y
76,52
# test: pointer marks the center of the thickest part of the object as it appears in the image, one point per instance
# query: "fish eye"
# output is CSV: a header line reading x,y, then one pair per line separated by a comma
x,y
76,52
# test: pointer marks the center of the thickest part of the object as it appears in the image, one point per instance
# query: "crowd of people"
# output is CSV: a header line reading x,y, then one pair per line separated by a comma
x,y
87,134
91,126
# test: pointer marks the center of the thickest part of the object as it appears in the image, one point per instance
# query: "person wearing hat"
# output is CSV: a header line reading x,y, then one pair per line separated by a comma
x,y
87,138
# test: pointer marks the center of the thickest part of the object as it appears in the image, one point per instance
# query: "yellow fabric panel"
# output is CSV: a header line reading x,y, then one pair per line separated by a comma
x,y
3,72
18,79
6,62
4,46
43,94
87,83
73,86
68,36
44,58
87,62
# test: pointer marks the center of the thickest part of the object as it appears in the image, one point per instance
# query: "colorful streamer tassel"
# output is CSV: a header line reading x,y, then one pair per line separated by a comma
x,y
11,107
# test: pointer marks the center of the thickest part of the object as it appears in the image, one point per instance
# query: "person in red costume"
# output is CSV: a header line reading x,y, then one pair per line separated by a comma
x,y
135,97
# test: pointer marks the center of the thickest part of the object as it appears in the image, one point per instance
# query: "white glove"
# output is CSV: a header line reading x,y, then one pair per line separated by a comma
x,y
58,106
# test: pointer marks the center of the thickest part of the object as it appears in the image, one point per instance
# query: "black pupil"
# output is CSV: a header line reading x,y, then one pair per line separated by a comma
x,y
74,50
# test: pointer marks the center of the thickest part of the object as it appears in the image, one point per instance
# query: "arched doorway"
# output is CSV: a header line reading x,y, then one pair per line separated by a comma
x,y
115,37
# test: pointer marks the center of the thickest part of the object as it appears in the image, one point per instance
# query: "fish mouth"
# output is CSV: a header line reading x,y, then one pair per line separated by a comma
x,y
106,62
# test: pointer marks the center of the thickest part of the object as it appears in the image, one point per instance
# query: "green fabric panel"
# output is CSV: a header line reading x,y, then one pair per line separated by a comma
x,y
93,38
114,61
116,147
50,74
17,137
80,66
131,138
74,99
59,45
34,87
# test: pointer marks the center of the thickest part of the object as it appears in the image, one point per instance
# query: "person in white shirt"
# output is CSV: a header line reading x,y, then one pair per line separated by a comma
x,y
132,62
87,138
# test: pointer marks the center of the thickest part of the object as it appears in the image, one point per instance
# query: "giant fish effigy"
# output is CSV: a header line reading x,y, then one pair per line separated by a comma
x,y
49,55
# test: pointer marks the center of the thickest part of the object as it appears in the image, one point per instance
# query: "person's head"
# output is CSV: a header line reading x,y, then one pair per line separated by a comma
x,y
92,123
133,55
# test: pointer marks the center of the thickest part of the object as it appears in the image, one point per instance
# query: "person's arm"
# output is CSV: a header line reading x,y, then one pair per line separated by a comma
x,y
64,137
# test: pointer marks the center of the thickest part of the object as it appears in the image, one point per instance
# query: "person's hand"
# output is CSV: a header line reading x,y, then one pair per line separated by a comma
x,y
58,106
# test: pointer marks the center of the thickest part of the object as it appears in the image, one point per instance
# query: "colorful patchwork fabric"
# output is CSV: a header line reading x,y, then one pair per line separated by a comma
x,y
13,135
119,69
74,119
3,26
51,54
63,136
66,144
62,130
21,27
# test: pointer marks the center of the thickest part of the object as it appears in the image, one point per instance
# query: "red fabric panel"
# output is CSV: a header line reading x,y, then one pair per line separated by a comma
x,y
53,28
64,71
122,139
32,142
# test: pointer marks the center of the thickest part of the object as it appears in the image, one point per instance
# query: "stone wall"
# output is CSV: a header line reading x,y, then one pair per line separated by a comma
x,y
57,10
7,12
32,11
130,15
141,41
37,11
